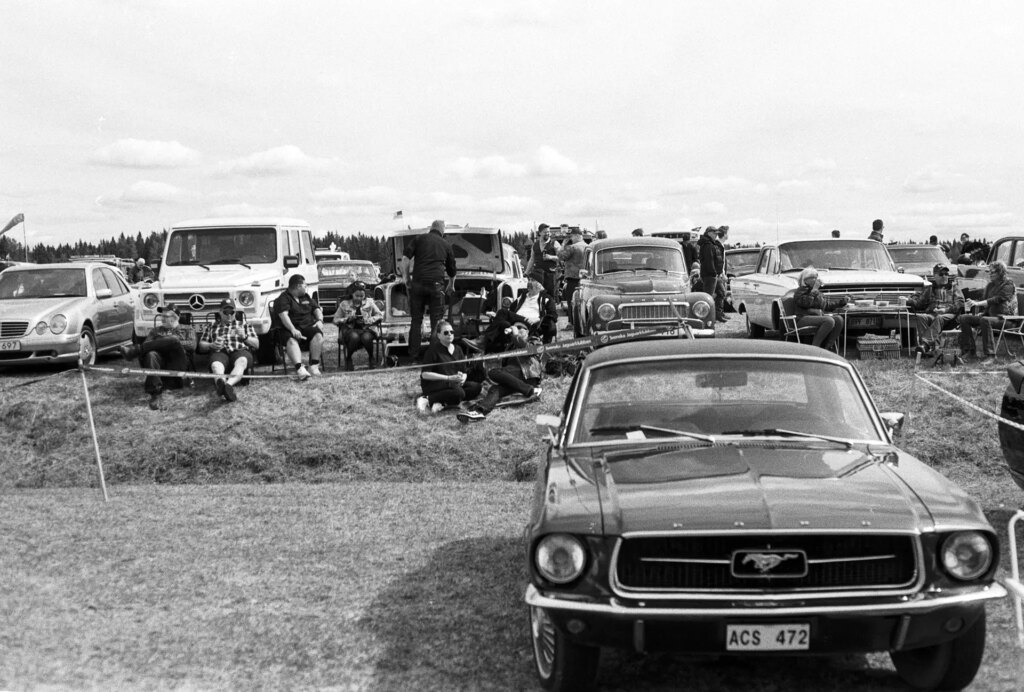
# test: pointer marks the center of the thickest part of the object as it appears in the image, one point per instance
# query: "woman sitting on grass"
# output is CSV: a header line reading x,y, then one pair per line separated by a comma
x,y
443,379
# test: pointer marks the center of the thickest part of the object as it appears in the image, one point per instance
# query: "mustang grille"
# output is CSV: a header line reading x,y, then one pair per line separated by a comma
x,y
706,563
652,311
11,329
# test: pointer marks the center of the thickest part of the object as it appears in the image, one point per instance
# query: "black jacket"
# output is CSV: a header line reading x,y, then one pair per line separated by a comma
x,y
712,256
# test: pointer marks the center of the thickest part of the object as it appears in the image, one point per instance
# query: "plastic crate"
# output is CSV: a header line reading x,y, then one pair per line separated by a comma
x,y
879,346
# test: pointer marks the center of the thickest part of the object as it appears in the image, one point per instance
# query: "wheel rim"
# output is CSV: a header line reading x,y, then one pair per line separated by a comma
x,y
750,331
544,642
86,348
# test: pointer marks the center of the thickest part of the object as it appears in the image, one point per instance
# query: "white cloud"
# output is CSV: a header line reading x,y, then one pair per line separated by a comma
x,y
379,194
284,160
504,15
486,167
246,209
137,153
794,186
143,192
974,222
547,161
687,186
758,230
589,208
934,180
716,208
508,205
820,165
950,208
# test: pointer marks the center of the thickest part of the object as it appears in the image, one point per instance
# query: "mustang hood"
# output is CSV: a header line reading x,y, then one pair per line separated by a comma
x,y
647,282
197,278
764,488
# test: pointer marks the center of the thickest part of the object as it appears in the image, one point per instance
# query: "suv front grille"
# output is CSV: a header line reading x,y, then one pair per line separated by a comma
x,y
719,563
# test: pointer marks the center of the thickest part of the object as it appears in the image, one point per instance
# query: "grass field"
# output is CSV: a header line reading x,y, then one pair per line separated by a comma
x,y
322,535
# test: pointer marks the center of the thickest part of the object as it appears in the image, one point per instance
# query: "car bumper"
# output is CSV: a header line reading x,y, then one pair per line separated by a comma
x,y
39,349
699,329
880,626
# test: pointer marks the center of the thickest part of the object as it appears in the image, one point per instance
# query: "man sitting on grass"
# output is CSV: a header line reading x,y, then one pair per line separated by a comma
x,y
517,375
231,343
166,348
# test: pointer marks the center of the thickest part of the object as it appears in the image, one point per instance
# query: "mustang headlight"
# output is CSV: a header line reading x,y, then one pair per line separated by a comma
x,y
560,558
246,299
701,309
150,300
606,312
966,555
58,323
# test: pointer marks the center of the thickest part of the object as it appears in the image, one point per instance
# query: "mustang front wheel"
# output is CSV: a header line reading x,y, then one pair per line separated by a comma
x,y
951,665
561,665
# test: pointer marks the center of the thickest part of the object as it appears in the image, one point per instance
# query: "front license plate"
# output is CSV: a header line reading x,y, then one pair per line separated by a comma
x,y
863,322
10,345
795,637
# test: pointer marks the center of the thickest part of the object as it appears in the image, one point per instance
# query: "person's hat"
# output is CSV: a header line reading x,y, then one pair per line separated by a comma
x,y
170,307
723,229
356,285
227,303
437,225
543,227
638,231
940,269
710,229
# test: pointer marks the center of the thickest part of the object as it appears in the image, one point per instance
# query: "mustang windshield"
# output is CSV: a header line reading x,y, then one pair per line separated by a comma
x,y
742,397
834,254
42,283
222,246
640,258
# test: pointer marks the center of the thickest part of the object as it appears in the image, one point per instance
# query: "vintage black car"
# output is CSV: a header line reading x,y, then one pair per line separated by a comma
x,y
745,497
1012,438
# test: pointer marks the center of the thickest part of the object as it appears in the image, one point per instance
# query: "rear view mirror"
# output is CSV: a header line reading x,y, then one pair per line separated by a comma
x,y
547,426
717,380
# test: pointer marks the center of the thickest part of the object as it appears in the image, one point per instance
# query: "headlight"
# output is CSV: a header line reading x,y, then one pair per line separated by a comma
x,y
150,300
58,324
246,299
966,555
41,328
701,309
560,558
606,312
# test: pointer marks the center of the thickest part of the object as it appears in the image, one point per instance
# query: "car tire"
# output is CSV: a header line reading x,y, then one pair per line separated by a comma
x,y
561,665
87,347
754,331
951,665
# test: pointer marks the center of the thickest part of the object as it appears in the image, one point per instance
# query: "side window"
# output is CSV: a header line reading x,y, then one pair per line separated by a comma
x,y
1003,252
293,242
1018,253
98,282
307,248
762,262
113,283
773,261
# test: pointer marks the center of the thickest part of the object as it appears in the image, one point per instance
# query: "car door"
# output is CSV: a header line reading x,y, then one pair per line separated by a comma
x,y
124,304
105,321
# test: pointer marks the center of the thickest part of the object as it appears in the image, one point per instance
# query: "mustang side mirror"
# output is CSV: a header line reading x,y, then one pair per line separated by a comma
x,y
547,425
893,422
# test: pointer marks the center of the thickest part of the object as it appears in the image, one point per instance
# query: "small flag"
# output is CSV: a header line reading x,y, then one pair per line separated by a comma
x,y
18,218
398,214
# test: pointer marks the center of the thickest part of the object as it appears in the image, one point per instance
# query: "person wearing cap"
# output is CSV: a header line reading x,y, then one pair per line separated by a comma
x,y
166,347
936,308
711,255
877,230
301,322
517,375
356,317
571,256
428,280
231,342
544,259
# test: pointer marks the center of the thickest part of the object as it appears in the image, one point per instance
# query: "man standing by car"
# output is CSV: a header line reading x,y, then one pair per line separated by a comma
x,y
689,251
712,264
544,259
431,277
140,272
877,229
571,255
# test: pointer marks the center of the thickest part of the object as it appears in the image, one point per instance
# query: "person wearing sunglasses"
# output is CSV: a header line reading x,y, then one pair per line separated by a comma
x,y
444,380
231,342
1000,300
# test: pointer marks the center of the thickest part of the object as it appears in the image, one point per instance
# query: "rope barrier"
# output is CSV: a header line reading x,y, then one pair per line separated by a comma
x,y
968,404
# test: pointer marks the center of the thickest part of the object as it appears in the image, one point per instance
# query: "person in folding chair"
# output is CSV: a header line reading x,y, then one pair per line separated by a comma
x,y
444,379
936,309
357,318
166,347
517,375
537,309
302,322
1000,300
231,342
812,307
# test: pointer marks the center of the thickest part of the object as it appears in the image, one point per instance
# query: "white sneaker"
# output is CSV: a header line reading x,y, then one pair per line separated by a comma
x,y
302,374
535,394
437,408
423,405
314,370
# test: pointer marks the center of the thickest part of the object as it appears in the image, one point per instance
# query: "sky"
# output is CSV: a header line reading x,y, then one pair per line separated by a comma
x,y
784,120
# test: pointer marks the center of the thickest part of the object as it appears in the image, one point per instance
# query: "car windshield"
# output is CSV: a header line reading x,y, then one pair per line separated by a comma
x,y
834,254
636,258
43,283
925,254
742,262
222,246
740,396
348,272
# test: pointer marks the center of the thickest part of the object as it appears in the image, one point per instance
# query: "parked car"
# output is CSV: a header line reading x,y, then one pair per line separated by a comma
x,y
60,313
638,282
488,274
337,275
1010,438
972,278
743,497
859,269
738,262
919,259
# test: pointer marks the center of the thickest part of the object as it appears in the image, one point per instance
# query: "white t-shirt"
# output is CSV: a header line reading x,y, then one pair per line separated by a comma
x,y
530,309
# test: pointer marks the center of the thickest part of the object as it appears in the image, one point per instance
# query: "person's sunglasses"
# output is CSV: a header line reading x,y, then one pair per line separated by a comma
x,y
446,331
227,311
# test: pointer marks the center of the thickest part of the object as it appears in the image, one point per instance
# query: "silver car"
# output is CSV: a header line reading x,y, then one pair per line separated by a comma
x,y
56,313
